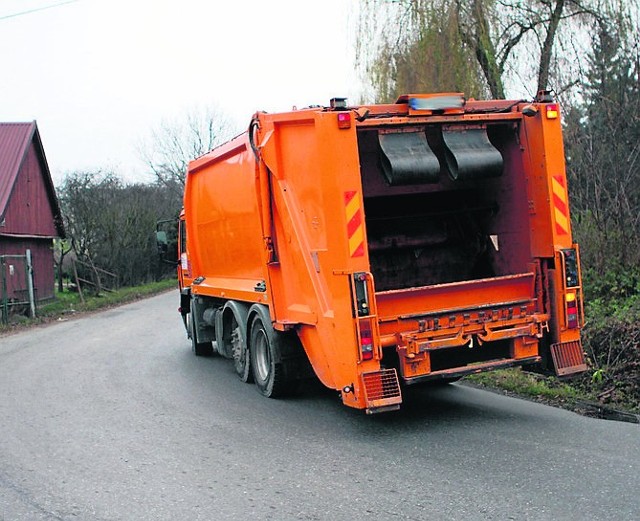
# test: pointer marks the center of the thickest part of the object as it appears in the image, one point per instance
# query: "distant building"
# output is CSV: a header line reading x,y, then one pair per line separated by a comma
x,y
30,215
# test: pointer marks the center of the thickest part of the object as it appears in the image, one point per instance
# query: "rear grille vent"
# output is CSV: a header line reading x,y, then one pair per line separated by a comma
x,y
381,389
568,358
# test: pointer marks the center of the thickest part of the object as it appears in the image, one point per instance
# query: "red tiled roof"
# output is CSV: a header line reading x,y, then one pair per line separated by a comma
x,y
15,139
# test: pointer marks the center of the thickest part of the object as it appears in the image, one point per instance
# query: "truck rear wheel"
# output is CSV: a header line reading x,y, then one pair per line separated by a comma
x,y
271,357
231,338
241,361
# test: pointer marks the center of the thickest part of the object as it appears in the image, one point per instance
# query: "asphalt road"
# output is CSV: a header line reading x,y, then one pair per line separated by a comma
x,y
110,417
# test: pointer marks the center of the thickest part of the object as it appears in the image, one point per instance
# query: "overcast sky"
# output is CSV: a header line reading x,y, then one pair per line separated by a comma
x,y
97,75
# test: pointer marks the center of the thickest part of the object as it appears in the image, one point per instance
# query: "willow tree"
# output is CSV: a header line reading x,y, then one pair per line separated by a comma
x,y
471,45
413,47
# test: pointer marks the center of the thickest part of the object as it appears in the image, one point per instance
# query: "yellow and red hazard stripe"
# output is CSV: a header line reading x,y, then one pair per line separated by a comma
x,y
355,223
560,205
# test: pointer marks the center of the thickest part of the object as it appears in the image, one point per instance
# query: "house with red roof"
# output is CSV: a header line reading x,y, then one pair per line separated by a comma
x,y
30,215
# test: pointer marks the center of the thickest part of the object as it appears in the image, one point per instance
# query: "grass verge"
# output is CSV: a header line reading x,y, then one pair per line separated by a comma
x,y
529,385
553,391
68,303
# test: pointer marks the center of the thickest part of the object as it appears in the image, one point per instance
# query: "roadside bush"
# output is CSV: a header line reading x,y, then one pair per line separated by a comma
x,y
611,339
111,225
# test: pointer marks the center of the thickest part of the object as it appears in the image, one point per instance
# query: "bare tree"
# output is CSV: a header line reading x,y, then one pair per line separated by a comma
x,y
110,224
170,146
603,148
61,247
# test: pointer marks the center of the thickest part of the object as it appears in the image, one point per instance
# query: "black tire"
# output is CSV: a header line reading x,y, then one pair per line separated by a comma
x,y
231,338
198,348
270,372
241,357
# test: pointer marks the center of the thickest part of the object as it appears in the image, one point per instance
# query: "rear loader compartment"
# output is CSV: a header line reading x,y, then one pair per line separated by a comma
x,y
446,214
431,228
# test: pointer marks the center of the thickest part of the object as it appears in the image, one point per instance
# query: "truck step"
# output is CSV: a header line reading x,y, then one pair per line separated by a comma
x,y
382,390
568,358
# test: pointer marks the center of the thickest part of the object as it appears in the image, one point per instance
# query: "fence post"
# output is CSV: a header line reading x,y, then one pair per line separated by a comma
x,y
29,270
5,304
75,274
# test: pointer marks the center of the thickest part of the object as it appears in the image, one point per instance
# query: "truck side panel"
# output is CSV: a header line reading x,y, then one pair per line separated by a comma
x,y
223,233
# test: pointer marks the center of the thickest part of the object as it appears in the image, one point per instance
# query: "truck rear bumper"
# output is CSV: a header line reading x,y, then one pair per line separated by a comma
x,y
458,372
451,330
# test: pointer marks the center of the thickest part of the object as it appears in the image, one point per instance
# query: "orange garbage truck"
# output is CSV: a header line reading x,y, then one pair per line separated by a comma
x,y
383,246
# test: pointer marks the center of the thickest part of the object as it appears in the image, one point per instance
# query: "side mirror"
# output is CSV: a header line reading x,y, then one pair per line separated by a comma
x,y
162,242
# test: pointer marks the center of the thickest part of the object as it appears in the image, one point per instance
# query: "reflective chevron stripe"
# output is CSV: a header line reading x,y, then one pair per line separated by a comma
x,y
355,225
560,205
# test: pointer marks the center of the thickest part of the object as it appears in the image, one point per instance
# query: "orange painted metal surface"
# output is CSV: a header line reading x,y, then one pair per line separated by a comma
x,y
297,214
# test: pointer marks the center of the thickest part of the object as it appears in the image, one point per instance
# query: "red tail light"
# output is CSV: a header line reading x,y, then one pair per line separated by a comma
x,y
366,339
572,310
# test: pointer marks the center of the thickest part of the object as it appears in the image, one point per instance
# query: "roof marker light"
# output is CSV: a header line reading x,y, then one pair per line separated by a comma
x,y
338,103
436,102
552,111
344,119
